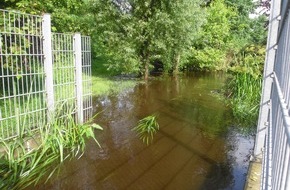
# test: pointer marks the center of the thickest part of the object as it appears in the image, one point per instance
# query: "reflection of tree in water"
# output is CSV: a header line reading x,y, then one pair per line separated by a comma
x,y
187,100
116,115
219,177
231,174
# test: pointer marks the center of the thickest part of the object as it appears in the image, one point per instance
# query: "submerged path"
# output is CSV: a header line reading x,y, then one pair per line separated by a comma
x,y
196,148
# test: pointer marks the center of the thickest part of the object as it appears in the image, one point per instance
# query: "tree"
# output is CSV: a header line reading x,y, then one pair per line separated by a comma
x,y
164,30
210,50
67,15
187,17
148,30
128,34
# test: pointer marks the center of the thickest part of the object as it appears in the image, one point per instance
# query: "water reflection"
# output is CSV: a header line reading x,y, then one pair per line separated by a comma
x,y
191,116
196,146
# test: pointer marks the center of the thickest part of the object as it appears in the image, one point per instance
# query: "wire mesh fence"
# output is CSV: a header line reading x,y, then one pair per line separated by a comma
x,y
87,80
63,70
22,102
38,72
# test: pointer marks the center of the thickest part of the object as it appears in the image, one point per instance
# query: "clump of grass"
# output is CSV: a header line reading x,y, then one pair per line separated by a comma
x,y
146,128
58,140
245,97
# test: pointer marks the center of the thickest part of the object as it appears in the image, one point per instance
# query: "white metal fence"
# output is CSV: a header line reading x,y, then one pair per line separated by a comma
x,y
273,137
39,71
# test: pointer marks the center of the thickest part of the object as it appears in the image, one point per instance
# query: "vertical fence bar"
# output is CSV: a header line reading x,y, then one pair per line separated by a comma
x,y
79,87
47,51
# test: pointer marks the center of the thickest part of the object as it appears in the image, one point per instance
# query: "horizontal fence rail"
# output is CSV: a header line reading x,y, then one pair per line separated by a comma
x,y
276,154
41,71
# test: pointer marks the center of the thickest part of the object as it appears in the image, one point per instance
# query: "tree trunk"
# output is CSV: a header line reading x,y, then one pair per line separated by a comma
x,y
146,69
176,63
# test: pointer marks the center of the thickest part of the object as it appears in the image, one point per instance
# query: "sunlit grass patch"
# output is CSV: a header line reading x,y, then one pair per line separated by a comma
x,y
106,86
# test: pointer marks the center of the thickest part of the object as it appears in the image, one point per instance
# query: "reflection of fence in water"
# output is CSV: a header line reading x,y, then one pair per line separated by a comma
x,y
24,72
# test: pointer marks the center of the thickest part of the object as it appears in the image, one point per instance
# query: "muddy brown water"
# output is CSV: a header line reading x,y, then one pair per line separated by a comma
x,y
197,146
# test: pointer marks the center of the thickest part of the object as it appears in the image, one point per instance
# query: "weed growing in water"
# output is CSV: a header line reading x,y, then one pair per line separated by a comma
x,y
56,141
146,128
245,98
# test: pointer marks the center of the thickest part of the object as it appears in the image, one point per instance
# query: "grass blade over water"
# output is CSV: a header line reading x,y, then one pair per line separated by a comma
x,y
37,155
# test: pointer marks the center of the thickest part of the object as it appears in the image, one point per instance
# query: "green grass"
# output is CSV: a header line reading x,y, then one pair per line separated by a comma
x,y
104,81
23,108
245,98
106,85
56,141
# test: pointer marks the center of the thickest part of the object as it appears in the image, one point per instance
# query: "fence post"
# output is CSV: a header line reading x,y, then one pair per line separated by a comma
x,y
78,70
263,121
47,52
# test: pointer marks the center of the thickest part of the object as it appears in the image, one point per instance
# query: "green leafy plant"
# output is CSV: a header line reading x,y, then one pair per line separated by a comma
x,y
146,128
61,139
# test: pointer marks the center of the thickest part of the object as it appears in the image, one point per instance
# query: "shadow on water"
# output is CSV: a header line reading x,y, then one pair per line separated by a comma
x,y
197,146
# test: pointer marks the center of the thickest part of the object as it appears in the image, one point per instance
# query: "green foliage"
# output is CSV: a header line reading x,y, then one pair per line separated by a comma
x,y
207,58
232,41
128,39
67,15
226,34
210,50
61,139
148,31
244,97
249,60
111,37
146,128
245,86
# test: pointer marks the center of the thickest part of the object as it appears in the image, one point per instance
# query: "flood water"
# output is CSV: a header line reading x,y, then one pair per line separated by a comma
x,y
197,146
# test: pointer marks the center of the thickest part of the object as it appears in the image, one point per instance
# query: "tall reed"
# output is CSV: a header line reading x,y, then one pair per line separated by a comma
x,y
245,97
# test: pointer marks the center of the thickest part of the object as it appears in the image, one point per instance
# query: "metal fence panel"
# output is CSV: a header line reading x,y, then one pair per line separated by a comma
x,y
35,80
87,80
63,72
22,102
